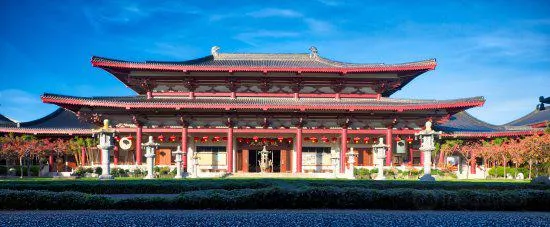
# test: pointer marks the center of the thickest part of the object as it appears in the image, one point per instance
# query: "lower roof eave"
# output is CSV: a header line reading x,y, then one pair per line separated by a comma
x,y
46,131
491,134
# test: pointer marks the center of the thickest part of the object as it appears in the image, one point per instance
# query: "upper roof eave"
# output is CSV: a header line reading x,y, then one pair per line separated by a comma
x,y
140,102
333,67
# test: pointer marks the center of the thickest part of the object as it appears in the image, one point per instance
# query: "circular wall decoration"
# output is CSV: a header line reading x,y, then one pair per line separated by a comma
x,y
125,143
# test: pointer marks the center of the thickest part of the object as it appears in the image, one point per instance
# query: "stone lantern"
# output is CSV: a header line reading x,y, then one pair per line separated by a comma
x,y
106,144
195,170
351,160
380,155
265,163
427,137
178,160
335,160
150,147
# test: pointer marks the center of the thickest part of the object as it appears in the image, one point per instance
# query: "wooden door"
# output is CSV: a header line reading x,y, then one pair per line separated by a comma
x,y
284,161
245,161
239,161
365,157
163,157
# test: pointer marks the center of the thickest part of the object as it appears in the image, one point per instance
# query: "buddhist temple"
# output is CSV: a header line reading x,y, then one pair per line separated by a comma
x,y
307,110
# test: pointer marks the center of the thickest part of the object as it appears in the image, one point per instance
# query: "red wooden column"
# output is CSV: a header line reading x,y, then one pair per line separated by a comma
x,y
184,148
138,145
229,149
389,142
299,140
343,149
83,156
50,161
245,161
411,155
115,155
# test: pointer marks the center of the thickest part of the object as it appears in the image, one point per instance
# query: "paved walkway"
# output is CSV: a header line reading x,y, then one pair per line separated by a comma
x,y
272,218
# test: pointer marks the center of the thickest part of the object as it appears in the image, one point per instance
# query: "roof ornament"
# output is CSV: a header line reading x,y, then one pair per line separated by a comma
x,y
543,101
314,52
214,51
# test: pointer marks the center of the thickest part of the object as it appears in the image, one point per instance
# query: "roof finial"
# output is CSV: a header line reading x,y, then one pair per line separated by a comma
x,y
214,51
314,52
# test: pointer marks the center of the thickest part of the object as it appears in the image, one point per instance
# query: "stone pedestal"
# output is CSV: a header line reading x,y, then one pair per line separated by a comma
x,y
427,166
380,153
351,160
178,160
150,147
105,164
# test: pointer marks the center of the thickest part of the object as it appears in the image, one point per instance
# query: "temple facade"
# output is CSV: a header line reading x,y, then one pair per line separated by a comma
x,y
223,109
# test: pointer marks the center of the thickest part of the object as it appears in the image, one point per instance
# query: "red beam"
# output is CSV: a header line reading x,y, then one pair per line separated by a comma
x,y
281,95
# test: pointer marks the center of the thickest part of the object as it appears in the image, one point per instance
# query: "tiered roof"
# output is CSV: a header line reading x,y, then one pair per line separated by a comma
x,y
303,62
61,121
264,103
463,124
537,117
6,122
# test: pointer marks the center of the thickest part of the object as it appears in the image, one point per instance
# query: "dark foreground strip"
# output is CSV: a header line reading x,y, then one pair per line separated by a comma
x,y
284,198
272,218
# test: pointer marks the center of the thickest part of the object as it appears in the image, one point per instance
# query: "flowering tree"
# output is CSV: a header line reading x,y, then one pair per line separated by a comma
x,y
469,153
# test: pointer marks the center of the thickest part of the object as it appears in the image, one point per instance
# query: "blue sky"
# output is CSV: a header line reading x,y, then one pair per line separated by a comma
x,y
496,49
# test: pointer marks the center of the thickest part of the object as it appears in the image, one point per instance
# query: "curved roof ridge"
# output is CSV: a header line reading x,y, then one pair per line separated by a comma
x,y
276,57
7,121
480,121
531,118
42,119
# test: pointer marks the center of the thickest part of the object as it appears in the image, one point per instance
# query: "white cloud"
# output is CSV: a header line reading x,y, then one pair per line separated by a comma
x,y
22,105
273,12
252,38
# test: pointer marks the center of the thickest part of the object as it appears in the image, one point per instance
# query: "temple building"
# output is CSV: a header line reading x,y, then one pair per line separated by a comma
x,y
307,110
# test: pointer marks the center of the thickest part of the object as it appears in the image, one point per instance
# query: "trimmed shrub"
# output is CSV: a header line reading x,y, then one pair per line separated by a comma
x,y
499,171
89,170
164,170
98,170
285,198
79,172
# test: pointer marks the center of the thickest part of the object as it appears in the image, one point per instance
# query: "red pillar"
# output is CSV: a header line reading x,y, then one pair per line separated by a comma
x,y
138,145
299,140
229,150
343,149
50,161
411,155
184,148
83,156
115,155
389,152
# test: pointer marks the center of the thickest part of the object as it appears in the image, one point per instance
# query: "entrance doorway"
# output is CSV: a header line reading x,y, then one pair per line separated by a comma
x,y
254,161
163,157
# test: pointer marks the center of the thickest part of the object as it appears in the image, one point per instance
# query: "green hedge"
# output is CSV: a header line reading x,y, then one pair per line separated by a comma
x,y
178,186
284,198
35,169
133,186
499,171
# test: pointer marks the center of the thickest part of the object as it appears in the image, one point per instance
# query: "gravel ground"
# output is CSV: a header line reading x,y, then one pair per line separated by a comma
x,y
130,196
272,218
